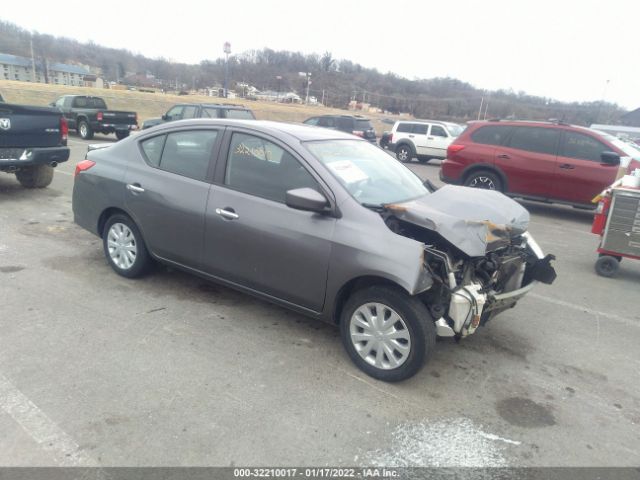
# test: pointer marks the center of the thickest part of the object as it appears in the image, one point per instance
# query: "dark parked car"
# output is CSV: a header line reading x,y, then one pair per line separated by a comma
x,y
185,111
33,140
353,124
317,221
88,115
536,160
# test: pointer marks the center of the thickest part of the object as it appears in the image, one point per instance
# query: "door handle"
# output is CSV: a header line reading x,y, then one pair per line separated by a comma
x,y
430,138
504,155
411,136
135,188
567,166
227,213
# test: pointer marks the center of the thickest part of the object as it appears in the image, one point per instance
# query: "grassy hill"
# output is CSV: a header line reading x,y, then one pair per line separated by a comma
x,y
149,105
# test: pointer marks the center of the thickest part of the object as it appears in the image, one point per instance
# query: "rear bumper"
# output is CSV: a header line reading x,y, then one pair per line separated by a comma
x,y
447,179
112,127
36,156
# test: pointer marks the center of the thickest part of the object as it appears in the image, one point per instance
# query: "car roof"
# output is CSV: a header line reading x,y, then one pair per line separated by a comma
x,y
530,123
421,120
297,131
357,117
229,106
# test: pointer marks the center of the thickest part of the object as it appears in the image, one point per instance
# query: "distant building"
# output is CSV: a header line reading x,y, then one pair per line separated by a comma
x,y
20,69
632,118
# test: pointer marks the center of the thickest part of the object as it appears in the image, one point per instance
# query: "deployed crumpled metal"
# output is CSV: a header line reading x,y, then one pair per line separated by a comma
x,y
474,220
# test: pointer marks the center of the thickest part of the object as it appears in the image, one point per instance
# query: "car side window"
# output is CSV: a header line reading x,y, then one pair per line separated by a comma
x,y
210,112
152,148
189,111
259,167
187,153
438,131
80,102
327,122
584,147
175,113
345,124
420,128
404,128
491,135
239,114
535,139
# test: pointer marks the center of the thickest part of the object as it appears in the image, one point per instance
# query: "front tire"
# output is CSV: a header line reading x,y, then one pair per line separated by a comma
x,y
121,134
124,247
85,131
387,333
608,265
38,176
485,180
404,153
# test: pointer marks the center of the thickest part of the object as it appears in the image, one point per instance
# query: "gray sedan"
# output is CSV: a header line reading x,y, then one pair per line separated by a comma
x,y
317,221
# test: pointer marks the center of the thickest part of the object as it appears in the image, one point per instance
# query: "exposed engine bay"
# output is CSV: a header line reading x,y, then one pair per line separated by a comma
x,y
479,267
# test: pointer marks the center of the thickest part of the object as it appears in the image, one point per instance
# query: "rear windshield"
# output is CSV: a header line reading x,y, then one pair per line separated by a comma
x,y
455,130
491,135
363,125
240,114
89,102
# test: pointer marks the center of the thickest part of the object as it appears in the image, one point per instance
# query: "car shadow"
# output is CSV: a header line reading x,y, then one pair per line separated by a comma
x,y
557,211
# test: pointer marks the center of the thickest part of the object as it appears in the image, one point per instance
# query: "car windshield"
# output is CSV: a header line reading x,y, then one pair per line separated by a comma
x,y
455,130
371,176
240,114
628,149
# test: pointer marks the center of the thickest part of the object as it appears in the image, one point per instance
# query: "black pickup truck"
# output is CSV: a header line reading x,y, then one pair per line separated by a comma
x,y
32,142
88,115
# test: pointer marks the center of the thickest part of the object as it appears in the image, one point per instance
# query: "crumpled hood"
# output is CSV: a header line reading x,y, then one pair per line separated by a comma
x,y
474,220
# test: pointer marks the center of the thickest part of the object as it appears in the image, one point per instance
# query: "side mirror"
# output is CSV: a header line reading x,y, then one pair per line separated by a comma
x,y
610,158
52,104
165,117
429,185
306,199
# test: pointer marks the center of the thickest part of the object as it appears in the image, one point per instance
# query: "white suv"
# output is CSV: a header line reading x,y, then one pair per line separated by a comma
x,y
423,139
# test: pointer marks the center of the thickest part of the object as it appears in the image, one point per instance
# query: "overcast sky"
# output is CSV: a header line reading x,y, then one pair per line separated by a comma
x,y
563,49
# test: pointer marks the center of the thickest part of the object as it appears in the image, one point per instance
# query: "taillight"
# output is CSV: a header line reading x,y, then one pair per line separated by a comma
x,y
64,129
359,133
99,116
454,148
82,166
391,138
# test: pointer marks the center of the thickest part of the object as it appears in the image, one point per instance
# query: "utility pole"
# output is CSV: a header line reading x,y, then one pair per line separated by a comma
x,y
227,50
481,103
33,60
322,97
308,75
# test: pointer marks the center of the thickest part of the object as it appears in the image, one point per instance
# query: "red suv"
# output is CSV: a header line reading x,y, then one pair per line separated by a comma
x,y
537,160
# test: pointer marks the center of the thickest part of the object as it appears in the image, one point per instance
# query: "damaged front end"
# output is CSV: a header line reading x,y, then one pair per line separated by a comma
x,y
477,251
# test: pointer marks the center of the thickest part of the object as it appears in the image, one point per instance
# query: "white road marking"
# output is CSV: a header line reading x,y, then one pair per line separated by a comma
x,y
41,428
584,309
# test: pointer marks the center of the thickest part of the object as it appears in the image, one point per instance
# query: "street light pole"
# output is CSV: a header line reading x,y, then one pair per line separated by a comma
x,y
227,51
308,83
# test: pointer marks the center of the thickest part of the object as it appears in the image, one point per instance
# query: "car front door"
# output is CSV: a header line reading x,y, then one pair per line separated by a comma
x,y
252,238
528,160
438,140
167,191
580,173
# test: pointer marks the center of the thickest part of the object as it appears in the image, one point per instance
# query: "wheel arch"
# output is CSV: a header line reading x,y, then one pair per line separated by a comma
x,y
355,284
108,213
485,166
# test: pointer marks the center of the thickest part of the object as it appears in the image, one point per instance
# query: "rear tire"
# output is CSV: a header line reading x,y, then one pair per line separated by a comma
x,y
405,345
122,134
38,176
124,247
608,265
85,131
484,179
404,153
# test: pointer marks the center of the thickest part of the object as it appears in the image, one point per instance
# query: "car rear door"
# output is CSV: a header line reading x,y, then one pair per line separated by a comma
x,y
167,191
252,238
580,173
437,141
528,160
418,136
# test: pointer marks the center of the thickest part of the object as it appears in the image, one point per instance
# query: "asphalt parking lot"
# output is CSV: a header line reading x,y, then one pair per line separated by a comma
x,y
96,369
